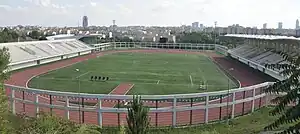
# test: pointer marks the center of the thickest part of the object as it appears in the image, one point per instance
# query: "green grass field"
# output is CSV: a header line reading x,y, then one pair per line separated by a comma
x,y
152,73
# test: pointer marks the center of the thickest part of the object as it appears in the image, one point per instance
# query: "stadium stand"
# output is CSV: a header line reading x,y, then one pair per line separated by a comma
x,y
39,52
258,56
254,54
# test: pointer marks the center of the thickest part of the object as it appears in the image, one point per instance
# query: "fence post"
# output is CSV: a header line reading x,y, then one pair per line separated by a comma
x,y
119,116
220,110
13,101
243,110
100,112
233,105
82,112
36,104
206,108
67,104
50,102
253,101
174,112
191,112
156,114
23,103
267,99
267,95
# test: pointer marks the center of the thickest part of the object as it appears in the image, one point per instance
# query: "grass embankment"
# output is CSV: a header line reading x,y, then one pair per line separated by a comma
x,y
249,124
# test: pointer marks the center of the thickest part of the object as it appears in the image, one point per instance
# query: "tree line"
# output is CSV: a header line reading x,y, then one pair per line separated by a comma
x,y
7,35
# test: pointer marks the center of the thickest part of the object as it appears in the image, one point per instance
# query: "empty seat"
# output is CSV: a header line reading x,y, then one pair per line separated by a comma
x,y
24,51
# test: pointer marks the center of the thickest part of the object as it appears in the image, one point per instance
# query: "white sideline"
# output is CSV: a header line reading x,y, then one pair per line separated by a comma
x,y
83,74
191,80
240,85
50,71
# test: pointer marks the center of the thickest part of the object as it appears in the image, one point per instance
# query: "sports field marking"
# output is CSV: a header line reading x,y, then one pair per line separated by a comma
x,y
158,82
49,71
202,75
83,74
132,85
114,81
191,79
219,70
143,72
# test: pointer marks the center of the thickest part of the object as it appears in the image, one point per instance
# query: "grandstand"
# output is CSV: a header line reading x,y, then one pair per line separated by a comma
x,y
259,50
26,54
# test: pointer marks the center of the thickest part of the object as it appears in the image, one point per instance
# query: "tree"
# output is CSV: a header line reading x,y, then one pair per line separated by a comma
x,y
125,39
197,37
163,40
138,120
5,124
291,88
7,35
35,34
43,38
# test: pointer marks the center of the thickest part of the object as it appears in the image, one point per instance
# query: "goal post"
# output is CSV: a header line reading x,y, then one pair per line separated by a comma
x,y
203,85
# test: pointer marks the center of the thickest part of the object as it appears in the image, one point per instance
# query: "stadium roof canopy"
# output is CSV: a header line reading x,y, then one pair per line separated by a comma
x,y
61,36
71,36
263,37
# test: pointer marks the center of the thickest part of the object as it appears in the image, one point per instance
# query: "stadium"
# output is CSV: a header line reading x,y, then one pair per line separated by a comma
x,y
181,83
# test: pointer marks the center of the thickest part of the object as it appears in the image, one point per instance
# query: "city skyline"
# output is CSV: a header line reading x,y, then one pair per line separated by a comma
x,y
150,13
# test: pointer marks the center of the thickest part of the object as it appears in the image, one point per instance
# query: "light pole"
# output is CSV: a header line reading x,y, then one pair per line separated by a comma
x,y
215,32
113,32
79,114
228,90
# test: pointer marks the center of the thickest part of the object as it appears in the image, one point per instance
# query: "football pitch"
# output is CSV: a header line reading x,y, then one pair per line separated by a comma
x,y
151,73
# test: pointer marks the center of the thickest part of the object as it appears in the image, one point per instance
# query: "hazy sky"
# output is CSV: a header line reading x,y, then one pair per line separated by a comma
x,y
150,12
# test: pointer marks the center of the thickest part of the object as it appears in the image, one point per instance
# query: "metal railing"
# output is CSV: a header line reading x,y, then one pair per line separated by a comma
x,y
165,110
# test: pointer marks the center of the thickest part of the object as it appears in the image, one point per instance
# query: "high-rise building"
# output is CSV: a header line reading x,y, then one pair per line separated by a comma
x,y
265,26
201,26
85,22
298,33
280,25
114,23
195,25
297,24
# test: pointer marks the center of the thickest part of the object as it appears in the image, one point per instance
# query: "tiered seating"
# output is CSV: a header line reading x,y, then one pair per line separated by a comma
x,y
242,49
17,54
271,59
251,52
256,53
261,56
24,51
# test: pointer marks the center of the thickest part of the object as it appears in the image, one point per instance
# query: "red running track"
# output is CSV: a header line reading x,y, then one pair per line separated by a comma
x,y
240,72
